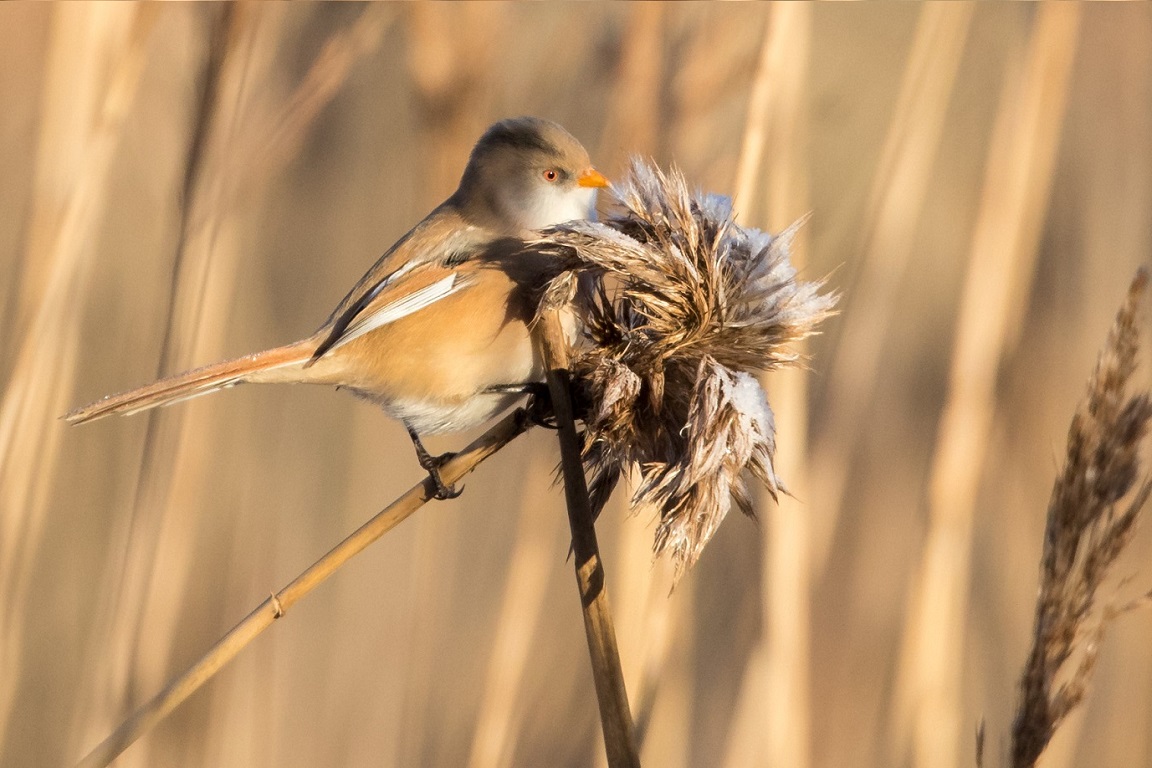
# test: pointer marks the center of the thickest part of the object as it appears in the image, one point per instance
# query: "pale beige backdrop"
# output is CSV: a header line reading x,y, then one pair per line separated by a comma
x,y
182,183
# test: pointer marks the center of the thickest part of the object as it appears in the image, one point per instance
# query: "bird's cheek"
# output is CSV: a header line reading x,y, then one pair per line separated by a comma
x,y
589,204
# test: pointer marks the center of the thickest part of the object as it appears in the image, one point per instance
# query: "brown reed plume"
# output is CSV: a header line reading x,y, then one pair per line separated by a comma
x,y
1089,525
681,306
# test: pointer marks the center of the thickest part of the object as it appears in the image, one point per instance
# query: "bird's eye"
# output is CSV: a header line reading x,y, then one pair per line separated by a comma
x,y
551,175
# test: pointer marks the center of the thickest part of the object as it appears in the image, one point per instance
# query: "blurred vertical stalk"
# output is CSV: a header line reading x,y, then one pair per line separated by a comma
x,y
760,107
525,584
772,720
239,136
96,56
144,614
1017,181
636,112
895,203
450,53
786,578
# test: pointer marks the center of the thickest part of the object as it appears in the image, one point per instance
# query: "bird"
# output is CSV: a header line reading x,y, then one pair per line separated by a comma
x,y
436,332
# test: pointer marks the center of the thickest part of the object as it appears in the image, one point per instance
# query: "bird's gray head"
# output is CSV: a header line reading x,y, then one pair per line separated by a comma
x,y
526,173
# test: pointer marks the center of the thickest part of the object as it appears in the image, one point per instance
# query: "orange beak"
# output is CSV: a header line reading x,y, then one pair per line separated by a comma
x,y
592,178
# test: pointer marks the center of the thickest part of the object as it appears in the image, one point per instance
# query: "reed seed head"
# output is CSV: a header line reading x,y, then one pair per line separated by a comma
x,y
1096,503
681,307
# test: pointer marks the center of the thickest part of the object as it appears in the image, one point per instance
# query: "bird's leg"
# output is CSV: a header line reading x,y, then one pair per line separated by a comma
x,y
432,464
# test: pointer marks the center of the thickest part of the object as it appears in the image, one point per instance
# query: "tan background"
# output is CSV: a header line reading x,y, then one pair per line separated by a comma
x,y
183,183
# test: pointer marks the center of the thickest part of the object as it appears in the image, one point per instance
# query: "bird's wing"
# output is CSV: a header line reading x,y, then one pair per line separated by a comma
x,y
419,270
393,301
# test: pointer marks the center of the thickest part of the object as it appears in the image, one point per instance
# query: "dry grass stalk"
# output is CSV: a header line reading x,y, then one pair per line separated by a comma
x,y
615,716
1092,516
771,722
142,619
290,126
761,106
98,56
499,715
786,535
231,152
637,106
229,646
681,307
896,201
1018,177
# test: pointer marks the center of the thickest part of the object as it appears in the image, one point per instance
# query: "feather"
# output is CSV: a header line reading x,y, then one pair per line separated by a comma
x,y
370,320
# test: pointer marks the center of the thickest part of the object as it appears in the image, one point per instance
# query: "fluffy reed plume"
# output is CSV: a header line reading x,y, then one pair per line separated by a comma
x,y
1087,528
681,307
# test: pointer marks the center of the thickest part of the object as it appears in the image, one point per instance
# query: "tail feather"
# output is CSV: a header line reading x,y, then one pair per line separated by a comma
x,y
282,364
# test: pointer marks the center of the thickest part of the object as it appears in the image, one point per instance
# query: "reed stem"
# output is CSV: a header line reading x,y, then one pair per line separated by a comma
x,y
611,696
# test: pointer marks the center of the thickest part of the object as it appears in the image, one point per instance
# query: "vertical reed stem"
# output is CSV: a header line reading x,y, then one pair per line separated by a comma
x,y
611,696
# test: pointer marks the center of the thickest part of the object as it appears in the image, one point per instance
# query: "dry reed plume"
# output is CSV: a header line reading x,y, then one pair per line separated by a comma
x,y
1089,525
681,307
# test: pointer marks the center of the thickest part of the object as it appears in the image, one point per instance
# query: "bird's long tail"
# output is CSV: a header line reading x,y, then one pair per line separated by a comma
x,y
282,364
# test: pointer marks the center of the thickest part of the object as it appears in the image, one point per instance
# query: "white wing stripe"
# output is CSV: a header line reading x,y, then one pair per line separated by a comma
x,y
413,302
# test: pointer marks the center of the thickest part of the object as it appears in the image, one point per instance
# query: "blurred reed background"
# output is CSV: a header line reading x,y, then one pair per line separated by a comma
x,y
184,183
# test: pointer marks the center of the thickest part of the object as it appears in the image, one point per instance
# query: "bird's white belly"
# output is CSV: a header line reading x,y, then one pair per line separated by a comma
x,y
429,417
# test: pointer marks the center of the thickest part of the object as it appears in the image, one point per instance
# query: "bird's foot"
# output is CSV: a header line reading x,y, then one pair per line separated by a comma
x,y
539,408
443,491
432,465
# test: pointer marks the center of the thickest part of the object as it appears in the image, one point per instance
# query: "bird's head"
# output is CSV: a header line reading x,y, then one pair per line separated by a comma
x,y
526,173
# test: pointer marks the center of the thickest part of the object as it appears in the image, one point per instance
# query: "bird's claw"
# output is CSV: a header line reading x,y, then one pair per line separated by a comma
x,y
432,465
540,409
443,491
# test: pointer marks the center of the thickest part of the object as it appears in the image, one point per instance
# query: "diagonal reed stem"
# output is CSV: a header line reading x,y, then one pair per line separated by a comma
x,y
611,696
229,646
